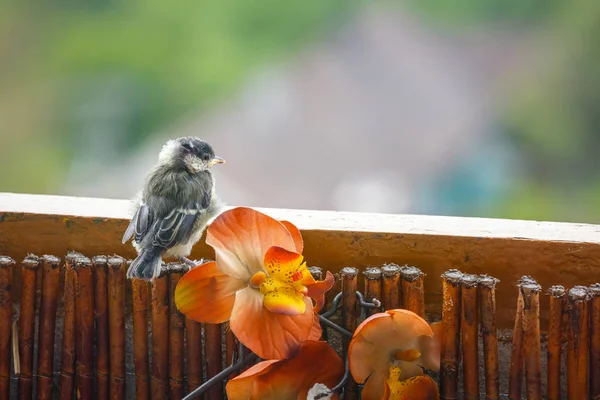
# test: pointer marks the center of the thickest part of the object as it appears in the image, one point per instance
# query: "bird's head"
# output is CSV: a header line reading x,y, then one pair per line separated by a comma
x,y
189,153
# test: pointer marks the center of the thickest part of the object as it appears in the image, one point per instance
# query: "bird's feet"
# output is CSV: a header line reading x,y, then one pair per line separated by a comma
x,y
190,263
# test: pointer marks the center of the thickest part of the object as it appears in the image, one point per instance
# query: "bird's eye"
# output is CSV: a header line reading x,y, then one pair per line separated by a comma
x,y
186,146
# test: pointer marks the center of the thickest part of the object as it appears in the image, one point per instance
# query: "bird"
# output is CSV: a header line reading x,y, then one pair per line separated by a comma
x,y
176,204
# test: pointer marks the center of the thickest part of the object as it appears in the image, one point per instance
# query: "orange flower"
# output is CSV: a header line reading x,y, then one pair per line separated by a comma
x,y
420,387
259,283
389,348
315,363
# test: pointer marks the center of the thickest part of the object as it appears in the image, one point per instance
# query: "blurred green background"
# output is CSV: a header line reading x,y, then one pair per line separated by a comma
x,y
102,77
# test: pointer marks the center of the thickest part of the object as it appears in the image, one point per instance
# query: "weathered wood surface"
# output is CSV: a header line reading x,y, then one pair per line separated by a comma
x,y
553,253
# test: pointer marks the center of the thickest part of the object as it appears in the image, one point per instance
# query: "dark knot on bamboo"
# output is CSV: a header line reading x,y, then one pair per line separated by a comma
x,y
594,290
6,262
177,268
372,273
115,261
72,256
82,262
32,262
349,272
52,261
316,272
411,274
100,261
556,291
390,270
469,281
452,276
488,282
578,294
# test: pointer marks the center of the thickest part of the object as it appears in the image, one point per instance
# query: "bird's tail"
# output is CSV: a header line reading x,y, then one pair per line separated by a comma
x,y
146,266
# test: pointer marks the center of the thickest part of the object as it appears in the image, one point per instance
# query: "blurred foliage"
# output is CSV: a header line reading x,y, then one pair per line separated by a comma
x,y
101,75
104,74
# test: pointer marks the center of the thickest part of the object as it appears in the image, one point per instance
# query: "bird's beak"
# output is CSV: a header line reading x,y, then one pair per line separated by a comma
x,y
216,160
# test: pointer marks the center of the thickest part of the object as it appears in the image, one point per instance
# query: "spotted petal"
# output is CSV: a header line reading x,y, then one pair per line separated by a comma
x,y
269,335
241,236
205,294
290,379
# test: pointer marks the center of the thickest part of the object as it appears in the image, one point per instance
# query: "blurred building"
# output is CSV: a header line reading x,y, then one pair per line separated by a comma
x,y
387,115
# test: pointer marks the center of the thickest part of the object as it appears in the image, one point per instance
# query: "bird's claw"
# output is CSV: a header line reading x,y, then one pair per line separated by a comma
x,y
192,264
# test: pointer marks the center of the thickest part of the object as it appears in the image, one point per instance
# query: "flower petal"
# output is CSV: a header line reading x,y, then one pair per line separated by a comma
x,y
416,388
378,337
318,289
285,300
316,331
269,335
241,387
241,236
431,348
290,379
205,294
283,265
296,235
374,387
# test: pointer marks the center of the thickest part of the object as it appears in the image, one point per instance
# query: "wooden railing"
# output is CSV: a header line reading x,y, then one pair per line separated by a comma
x,y
552,253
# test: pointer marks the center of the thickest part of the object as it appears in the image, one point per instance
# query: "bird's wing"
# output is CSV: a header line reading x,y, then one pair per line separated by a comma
x,y
140,223
177,226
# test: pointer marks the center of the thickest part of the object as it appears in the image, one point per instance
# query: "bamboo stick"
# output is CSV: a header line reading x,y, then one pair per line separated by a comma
x,y
31,264
100,264
578,350
595,341
317,274
450,352
213,359
230,347
350,311
193,332
177,320
116,325
84,332
6,266
515,381
390,286
413,292
47,324
487,310
557,300
470,338
159,382
372,287
531,339
140,300
67,374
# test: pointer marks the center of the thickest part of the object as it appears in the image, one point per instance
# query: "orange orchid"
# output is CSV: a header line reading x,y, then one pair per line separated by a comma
x,y
390,347
291,379
420,387
259,283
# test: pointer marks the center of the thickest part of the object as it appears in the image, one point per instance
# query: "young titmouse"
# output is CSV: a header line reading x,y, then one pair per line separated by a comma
x,y
174,207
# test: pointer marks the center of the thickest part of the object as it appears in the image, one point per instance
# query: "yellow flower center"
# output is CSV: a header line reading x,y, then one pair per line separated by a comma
x,y
284,283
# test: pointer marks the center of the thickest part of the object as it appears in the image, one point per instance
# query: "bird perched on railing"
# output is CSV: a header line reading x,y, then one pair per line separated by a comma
x,y
175,206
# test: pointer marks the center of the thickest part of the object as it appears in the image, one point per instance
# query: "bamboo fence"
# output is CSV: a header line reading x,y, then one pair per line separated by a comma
x,y
88,302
